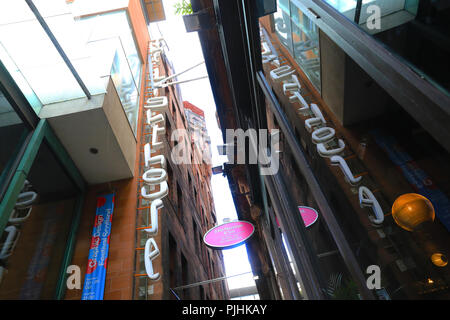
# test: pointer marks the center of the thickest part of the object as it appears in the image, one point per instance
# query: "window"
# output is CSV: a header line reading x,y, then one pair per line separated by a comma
x,y
400,26
39,226
282,23
116,25
305,45
301,37
209,265
196,237
114,29
174,112
41,72
179,203
213,215
170,180
41,190
205,225
12,136
169,133
172,264
184,276
202,292
201,244
195,198
126,89
189,182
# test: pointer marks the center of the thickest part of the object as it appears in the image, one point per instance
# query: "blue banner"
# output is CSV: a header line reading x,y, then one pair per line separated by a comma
x,y
94,282
416,177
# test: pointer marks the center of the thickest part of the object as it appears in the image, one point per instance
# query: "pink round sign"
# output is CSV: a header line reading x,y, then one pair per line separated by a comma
x,y
309,215
228,235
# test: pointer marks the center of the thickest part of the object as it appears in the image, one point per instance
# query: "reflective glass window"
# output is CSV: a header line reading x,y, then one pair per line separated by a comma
x,y
283,23
12,136
34,241
416,31
300,36
125,86
116,25
305,38
34,57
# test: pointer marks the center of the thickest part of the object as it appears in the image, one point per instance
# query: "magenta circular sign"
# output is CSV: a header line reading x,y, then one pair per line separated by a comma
x,y
309,215
228,235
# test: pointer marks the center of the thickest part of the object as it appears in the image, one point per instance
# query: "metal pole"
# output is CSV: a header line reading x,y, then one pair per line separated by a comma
x,y
208,281
163,85
358,11
173,292
177,74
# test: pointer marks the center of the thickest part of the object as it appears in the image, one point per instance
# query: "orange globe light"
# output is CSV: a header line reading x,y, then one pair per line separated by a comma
x,y
411,209
439,259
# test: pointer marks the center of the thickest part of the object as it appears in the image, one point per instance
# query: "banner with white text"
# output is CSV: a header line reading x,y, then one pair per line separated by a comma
x,y
94,282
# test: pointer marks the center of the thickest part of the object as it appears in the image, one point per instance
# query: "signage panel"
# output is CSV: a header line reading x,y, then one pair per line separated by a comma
x,y
228,235
309,215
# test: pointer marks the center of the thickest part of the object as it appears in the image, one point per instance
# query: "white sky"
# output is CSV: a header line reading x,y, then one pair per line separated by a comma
x,y
184,52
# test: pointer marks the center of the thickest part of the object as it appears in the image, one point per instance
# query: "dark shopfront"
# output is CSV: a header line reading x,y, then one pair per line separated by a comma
x,y
385,123
40,201
388,149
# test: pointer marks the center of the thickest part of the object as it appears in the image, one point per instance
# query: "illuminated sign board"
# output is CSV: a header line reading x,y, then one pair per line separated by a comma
x,y
228,235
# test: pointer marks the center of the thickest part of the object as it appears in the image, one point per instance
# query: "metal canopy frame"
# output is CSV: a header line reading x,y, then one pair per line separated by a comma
x,y
58,47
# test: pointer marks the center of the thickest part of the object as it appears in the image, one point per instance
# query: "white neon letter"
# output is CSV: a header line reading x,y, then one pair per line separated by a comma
x,y
154,176
157,104
280,73
159,118
163,191
324,152
323,135
317,120
338,160
150,255
297,96
149,161
154,207
367,199
157,131
292,85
